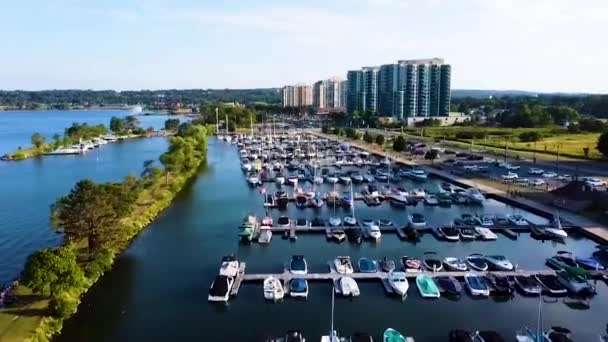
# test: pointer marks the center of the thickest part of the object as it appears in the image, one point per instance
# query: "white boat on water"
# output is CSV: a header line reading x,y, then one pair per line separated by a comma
x,y
418,175
517,220
253,180
220,289
373,232
229,266
334,221
273,289
399,283
485,233
280,180
557,231
475,196
343,265
349,287
265,235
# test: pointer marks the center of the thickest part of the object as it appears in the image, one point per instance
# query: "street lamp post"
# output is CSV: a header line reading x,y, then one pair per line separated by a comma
x,y
534,158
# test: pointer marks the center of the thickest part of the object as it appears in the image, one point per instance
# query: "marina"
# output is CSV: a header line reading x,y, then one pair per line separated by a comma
x,y
200,229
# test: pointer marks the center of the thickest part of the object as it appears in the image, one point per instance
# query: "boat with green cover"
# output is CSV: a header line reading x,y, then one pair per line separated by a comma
x,y
427,287
392,335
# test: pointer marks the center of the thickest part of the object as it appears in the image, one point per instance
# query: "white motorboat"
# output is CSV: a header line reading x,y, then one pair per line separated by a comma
x,y
399,283
338,235
220,289
418,175
331,179
431,200
350,221
475,196
477,262
417,221
229,266
487,221
247,166
455,264
499,262
298,265
476,284
265,235
273,289
418,193
298,287
267,221
318,180
517,220
280,180
343,265
334,221
373,232
557,231
253,180
292,180
486,233
349,287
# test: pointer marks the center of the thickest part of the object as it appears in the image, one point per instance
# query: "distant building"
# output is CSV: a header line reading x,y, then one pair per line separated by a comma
x,y
408,88
327,94
299,95
446,120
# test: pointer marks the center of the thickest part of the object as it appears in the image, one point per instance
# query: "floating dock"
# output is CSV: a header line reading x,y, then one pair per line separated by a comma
x,y
332,276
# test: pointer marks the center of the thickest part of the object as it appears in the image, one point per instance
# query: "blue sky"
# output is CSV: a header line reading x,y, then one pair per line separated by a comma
x,y
541,45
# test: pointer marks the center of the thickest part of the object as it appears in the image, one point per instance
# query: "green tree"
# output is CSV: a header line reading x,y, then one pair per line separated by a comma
x,y
341,132
131,122
52,270
562,114
380,139
431,155
530,136
92,211
63,304
368,138
117,125
592,125
37,140
602,144
57,140
399,144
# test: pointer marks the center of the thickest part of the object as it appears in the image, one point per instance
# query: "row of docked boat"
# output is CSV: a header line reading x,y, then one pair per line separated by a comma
x,y
222,285
389,335
554,334
84,146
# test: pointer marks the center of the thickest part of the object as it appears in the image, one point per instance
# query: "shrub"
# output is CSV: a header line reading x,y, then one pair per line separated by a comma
x,y
399,144
380,139
530,136
602,144
63,305
368,138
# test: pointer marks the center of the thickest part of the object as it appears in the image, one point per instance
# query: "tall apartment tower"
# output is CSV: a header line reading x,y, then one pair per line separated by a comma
x,y
418,87
327,94
362,90
299,95
354,91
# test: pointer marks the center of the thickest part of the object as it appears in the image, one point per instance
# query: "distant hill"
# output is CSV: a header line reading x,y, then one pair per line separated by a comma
x,y
480,94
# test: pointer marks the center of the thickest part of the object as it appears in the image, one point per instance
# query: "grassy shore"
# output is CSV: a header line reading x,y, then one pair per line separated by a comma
x,y
30,320
26,153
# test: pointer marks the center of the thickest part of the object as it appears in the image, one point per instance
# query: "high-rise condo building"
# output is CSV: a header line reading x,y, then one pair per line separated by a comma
x,y
362,90
327,94
299,95
408,88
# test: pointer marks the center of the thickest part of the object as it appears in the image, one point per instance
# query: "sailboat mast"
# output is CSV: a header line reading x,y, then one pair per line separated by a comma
x,y
226,124
251,124
331,331
352,199
217,121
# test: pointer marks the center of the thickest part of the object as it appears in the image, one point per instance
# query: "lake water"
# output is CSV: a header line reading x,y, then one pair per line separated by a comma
x,y
157,290
17,127
30,186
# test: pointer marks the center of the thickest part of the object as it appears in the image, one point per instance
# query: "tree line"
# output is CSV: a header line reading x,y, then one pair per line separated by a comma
x,y
98,220
64,99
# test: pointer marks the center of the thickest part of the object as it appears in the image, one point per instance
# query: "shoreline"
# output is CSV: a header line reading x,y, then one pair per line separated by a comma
x,y
150,203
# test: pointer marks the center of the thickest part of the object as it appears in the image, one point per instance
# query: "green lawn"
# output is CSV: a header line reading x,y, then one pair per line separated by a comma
x,y
21,319
569,144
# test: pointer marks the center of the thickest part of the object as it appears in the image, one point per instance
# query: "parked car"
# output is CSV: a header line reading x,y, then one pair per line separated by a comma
x,y
536,182
549,174
449,152
594,182
510,176
535,171
513,167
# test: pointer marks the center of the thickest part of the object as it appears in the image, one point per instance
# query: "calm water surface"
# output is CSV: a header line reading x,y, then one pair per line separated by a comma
x,y
17,127
30,186
158,289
